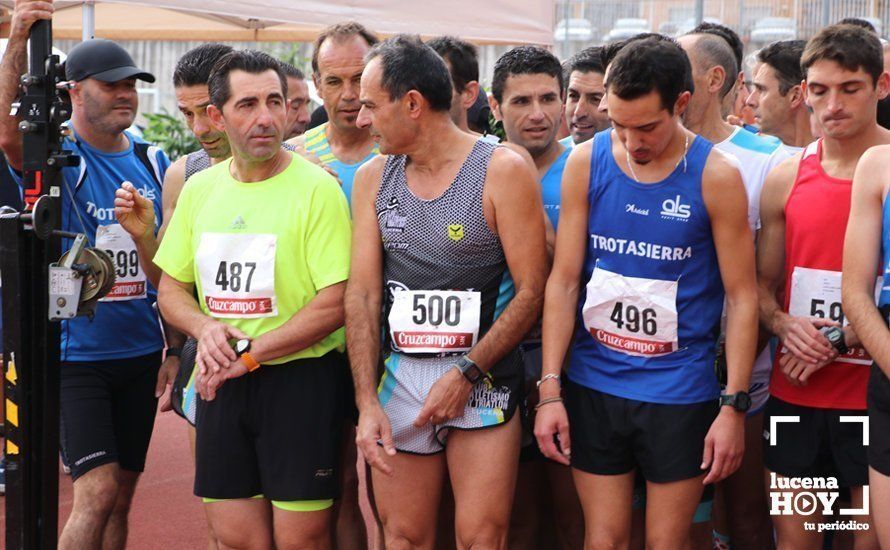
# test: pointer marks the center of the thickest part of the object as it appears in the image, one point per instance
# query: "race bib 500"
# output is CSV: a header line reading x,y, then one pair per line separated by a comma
x,y
435,321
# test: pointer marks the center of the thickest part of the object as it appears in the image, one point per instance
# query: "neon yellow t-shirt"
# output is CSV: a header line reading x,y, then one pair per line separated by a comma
x,y
258,252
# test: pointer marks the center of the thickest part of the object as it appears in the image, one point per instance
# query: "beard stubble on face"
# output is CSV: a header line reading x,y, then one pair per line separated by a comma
x,y
102,116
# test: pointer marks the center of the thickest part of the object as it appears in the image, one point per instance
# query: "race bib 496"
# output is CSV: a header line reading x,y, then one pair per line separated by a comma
x,y
632,315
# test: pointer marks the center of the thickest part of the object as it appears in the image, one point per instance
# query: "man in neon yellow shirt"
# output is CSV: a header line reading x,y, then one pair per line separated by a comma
x,y
265,239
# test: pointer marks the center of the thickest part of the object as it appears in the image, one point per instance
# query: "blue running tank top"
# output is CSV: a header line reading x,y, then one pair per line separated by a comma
x,y
650,310
551,186
884,297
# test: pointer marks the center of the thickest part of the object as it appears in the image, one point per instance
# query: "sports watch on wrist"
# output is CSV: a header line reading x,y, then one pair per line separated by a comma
x,y
469,369
242,350
835,337
740,401
174,352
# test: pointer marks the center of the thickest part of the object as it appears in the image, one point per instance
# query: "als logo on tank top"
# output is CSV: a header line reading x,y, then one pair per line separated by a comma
x,y
675,209
393,226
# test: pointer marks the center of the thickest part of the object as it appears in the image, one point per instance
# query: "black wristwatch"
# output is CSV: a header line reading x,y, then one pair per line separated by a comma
x,y
469,369
174,352
835,337
740,401
241,347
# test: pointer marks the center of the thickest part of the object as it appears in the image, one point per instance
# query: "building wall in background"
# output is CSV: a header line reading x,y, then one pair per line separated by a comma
x,y
159,58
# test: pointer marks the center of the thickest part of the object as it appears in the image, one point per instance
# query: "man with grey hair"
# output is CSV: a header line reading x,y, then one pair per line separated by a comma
x,y
713,70
341,146
428,255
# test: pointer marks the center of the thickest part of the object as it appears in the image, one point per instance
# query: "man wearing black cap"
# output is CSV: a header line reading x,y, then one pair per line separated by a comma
x,y
110,376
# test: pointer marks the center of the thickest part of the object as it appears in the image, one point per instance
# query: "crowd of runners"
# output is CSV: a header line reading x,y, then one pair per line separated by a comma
x,y
651,312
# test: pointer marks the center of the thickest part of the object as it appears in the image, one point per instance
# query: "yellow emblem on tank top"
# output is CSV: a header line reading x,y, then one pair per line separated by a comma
x,y
455,232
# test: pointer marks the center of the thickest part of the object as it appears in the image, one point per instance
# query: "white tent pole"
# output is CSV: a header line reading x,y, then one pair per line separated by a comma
x,y
88,10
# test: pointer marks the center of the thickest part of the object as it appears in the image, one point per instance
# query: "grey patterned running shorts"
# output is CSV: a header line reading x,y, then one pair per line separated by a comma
x,y
407,380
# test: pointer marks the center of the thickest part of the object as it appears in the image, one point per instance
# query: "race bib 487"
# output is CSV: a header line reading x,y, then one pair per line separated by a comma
x,y
237,274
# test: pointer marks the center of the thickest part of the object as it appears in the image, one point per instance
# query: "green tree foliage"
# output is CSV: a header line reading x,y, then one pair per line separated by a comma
x,y
170,133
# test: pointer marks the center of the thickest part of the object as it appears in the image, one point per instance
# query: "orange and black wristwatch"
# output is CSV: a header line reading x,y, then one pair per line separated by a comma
x,y
242,350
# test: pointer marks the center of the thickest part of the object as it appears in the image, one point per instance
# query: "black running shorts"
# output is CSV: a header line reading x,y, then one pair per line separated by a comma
x,y
108,412
879,421
819,445
613,435
274,432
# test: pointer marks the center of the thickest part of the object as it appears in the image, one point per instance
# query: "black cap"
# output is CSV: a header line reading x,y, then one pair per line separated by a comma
x,y
103,60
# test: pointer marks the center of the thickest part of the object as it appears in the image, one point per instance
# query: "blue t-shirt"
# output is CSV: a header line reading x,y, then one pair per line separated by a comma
x,y
126,323
655,311
551,187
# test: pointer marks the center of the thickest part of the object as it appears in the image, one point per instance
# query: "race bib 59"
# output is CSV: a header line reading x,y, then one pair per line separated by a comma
x,y
817,293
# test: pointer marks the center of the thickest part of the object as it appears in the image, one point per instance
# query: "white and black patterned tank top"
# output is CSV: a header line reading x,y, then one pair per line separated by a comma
x,y
200,160
443,243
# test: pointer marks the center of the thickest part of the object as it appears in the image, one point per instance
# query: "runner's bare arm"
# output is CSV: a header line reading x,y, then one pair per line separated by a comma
x,y
515,211
561,299
727,204
363,301
771,240
364,291
174,180
178,306
726,201
137,216
550,231
15,60
564,284
799,335
862,254
177,303
321,316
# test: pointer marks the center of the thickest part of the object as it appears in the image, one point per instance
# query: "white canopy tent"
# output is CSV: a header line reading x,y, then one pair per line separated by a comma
x,y
490,22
